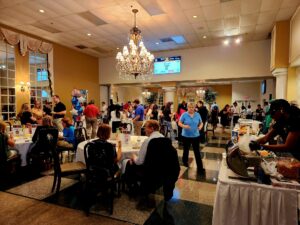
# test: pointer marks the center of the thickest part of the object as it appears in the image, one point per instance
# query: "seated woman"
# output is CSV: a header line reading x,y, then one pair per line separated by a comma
x,y
68,138
46,123
116,116
25,115
114,156
8,141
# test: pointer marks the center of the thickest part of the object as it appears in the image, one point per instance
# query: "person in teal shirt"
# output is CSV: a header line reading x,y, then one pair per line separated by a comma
x,y
191,124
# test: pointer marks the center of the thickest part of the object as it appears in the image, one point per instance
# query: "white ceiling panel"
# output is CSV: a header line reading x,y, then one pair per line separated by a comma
x,y
231,8
250,7
253,19
215,25
248,20
290,3
285,13
270,5
212,12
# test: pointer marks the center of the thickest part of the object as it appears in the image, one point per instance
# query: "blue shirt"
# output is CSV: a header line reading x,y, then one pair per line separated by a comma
x,y
140,111
193,122
69,134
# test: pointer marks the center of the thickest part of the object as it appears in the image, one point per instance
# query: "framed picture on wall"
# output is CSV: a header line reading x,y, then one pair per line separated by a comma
x,y
84,94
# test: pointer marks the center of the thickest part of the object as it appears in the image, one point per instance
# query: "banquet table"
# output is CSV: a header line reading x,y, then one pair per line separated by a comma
x,y
22,145
133,146
249,203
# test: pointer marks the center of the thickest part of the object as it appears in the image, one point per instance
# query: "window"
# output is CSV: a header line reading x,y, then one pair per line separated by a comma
x,y
39,82
7,81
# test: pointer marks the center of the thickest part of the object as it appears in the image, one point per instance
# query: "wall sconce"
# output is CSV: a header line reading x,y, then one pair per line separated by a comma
x,y
23,86
146,94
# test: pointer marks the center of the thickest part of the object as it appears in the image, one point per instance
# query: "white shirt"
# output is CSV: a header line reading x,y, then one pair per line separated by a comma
x,y
114,117
143,151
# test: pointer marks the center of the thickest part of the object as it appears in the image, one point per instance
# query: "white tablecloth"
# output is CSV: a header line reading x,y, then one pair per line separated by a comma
x,y
127,150
249,203
22,145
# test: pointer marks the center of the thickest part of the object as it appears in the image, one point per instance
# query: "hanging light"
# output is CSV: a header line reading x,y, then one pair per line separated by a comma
x,y
135,62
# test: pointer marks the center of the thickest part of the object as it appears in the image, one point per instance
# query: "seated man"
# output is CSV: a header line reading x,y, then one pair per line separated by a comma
x,y
134,167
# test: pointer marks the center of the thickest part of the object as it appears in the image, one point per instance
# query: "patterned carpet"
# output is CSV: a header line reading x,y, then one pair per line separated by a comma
x,y
40,188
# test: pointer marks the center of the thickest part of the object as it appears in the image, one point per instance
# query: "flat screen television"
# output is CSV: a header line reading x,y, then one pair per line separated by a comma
x,y
167,65
264,87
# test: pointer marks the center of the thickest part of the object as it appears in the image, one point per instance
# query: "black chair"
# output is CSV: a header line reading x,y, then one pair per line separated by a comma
x,y
39,158
101,176
161,167
8,166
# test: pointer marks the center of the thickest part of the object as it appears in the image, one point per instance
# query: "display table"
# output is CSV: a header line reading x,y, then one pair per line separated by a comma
x,y
22,145
133,146
249,203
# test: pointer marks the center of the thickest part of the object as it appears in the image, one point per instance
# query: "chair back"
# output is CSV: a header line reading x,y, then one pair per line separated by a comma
x,y
46,142
161,164
3,150
99,158
80,135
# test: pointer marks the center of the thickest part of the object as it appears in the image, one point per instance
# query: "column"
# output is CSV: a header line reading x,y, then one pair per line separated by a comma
x,y
169,94
281,82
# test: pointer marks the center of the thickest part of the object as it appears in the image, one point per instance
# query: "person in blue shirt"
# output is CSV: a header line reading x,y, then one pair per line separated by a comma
x,y
69,140
191,124
138,117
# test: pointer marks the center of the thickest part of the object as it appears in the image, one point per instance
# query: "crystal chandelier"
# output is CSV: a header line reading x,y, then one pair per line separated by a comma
x,y
135,62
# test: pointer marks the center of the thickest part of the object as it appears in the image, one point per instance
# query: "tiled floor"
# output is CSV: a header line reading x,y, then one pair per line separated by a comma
x,y
192,202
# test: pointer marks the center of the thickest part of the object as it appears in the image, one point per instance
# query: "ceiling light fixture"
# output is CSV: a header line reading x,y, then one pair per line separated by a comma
x,y
89,34
204,37
41,11
226,42
157,43
137,62
195,17
238,41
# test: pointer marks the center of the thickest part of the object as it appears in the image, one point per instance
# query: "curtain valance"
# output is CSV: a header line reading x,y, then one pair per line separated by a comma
x,y
25,43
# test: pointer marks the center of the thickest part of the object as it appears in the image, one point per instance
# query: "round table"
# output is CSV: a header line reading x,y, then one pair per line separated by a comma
x,y
133,146
22,144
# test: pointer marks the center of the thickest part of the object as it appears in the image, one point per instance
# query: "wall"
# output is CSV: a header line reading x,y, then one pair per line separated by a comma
x,y
280,45
247,91
294,39
126,94
22,74
73,69
224,94
250,59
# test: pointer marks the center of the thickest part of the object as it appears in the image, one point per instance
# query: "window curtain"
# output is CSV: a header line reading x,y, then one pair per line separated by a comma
x,y
25,43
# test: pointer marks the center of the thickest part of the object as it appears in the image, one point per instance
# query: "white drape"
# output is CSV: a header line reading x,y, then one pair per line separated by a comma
x,y
249,203
26,43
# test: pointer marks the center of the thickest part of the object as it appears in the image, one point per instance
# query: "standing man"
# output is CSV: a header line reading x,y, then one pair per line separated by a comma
x,y
59,111
91,112
138,117
235,113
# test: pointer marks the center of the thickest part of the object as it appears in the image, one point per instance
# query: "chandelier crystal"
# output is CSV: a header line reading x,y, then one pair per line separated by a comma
x,y
135,62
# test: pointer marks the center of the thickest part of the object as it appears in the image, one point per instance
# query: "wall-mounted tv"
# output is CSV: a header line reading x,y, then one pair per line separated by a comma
x,y
167,65
263,87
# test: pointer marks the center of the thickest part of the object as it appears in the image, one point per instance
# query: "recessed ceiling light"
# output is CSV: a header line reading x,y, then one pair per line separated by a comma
x,y
89,34
195,17
118,48
41,11
157,43
204,36
226,42
238,40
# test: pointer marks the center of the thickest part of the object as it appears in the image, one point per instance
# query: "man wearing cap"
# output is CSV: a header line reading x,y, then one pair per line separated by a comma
x,y
287,125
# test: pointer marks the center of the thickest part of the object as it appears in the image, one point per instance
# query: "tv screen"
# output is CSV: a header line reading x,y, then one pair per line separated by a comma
x,y
264,87
167,65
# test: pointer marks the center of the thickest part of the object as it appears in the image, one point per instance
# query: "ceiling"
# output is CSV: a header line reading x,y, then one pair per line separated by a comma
x,y
108,22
